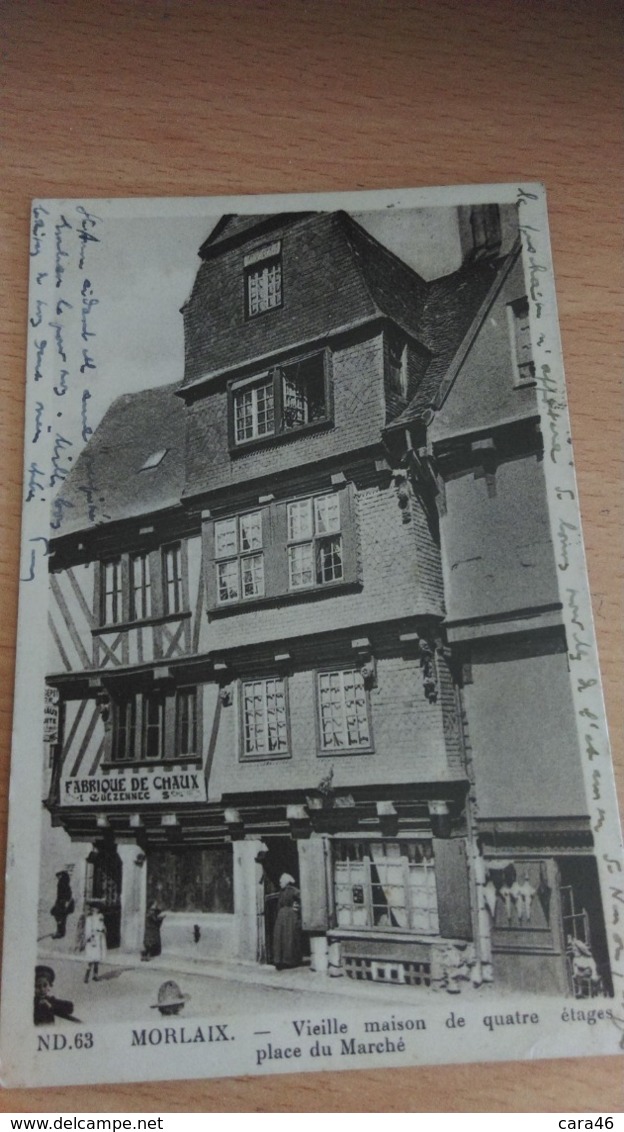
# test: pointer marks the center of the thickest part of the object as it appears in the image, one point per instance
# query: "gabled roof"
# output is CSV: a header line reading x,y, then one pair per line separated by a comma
x,y
134,464
234,228
107,475
334,276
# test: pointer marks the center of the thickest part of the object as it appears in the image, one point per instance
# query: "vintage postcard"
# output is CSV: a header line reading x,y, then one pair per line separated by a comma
x,y
310,767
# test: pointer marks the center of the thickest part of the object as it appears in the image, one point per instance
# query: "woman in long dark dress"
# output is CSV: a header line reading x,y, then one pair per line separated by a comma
x,y
287,930
64,904
152,945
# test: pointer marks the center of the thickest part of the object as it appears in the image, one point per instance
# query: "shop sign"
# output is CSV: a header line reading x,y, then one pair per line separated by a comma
x,y
133,788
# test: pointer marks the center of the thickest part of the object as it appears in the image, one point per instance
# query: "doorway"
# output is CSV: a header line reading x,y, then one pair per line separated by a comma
x,y
103,883
281,857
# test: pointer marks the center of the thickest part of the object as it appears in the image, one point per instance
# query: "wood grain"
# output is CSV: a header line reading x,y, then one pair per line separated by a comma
x,y
117,98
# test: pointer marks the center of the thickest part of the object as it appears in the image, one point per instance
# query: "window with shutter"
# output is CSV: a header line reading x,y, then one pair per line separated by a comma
x,y
111,595
156,725
143,585
140,587
173,595
186,721
290,396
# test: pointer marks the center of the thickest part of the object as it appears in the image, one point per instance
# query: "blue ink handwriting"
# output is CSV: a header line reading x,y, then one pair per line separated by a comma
x,y
39,411
60,251
33,557
59,507
38,228
35,476
87,303
40,347
60,389
87,362
84,235
37,318
60,471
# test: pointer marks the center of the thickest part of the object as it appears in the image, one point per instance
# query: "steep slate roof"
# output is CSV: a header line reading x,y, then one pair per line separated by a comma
x,y
396,289
451,305
337,275
135,427
333,275
232,226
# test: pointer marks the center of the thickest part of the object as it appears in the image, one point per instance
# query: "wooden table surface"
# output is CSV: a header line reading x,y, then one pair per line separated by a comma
x,y
169,98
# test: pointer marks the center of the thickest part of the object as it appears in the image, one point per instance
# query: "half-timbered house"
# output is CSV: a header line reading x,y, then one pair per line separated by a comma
x,y
286,593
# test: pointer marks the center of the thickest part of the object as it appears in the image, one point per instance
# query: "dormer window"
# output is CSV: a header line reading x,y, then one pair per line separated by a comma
x,y
280,400
263,279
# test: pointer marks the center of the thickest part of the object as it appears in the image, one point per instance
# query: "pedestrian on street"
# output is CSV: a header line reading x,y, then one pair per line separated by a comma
x,y
46,1006
152,944
287,930
95,940
64,904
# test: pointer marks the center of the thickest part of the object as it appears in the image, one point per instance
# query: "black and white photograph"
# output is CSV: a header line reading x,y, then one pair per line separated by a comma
x,y
310,766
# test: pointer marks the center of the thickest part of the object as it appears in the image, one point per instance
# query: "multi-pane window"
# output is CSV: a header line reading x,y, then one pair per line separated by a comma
x,y
520,334
140,587
286,549
265,730
386,885
153,737
343,710
254,411
263,284
173,596
112,592
239,557
286,397
186,721
315,553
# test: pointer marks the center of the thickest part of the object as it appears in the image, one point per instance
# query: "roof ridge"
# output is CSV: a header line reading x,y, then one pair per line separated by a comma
x,y
219,241
386,252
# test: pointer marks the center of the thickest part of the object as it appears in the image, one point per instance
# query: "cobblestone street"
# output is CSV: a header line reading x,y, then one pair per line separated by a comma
x,y
128,989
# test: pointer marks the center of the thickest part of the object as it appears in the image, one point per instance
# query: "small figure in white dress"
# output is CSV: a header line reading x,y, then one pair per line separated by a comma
x,y
95,940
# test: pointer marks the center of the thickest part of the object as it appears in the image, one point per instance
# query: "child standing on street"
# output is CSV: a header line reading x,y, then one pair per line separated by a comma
x,y
95,940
